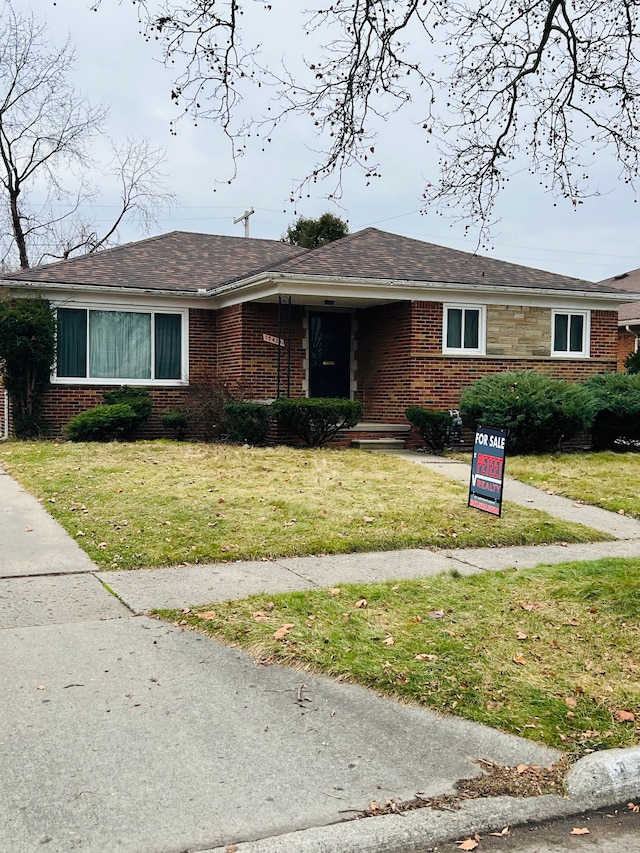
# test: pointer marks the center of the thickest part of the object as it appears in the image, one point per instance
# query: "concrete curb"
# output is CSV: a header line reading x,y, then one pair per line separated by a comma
x,y
612,775
599,780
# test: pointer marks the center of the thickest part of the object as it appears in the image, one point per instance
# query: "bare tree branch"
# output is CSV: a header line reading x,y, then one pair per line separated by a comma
x,y
552,84
47,128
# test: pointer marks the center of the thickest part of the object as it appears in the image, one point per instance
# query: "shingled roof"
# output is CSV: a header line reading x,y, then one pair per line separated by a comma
x,y
178,261
183,261
379,255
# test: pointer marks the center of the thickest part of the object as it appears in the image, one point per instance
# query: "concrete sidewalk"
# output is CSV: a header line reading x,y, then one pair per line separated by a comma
x,y
121,733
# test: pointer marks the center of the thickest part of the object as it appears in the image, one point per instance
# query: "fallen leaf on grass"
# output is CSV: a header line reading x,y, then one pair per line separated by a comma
x,y
282,632
467,844
335,590
522,636
208,614
570,702
416,619
436,614
624,716
389,641
426,657
367,518
519,659
579,830
259,616
530,605
360,604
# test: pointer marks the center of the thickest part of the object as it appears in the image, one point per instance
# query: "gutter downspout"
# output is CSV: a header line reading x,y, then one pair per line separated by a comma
x,y
637,337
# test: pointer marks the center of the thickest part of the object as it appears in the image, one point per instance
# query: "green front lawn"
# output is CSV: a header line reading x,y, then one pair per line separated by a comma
x,y
165,503
608,480
551,653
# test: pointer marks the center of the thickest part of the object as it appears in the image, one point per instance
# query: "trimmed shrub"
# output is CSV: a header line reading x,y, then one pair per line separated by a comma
x,y
632,362
103,423
247,422
539,412
616,401
177,422
316,420
139,399
434,427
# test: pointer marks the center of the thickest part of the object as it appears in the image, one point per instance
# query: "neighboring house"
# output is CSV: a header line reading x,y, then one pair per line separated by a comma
x,y
628,315
384,319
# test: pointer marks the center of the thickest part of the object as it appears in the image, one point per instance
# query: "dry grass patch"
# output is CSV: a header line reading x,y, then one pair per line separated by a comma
x,y
167,503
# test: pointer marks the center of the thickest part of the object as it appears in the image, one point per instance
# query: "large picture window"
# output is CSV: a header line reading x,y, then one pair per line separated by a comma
x,y
464,329
570,334
96,344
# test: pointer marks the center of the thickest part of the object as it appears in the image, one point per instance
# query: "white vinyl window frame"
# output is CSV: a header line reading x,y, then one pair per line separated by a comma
x,y
470,317
126,308
566,328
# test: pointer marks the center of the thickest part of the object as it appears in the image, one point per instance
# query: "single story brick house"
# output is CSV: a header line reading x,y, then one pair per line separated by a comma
x,y
384,319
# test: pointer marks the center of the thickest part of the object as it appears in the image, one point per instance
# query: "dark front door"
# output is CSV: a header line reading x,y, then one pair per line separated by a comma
x,y
329,354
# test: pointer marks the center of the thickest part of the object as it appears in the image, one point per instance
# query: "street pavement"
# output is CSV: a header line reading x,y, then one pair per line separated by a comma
x,y
122,733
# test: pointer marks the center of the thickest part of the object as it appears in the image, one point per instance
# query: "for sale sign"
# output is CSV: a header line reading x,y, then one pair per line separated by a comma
x,y
487,470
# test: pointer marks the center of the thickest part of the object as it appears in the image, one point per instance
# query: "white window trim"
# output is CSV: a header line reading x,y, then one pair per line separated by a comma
x,y
585,352
482,329
156,383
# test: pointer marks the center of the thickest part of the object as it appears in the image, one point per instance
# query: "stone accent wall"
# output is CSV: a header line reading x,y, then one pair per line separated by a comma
x,y
518,332
401,361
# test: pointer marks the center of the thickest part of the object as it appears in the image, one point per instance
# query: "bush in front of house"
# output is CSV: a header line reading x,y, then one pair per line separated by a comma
x,y
176,422
139,399
616,401
538,411
103,423
316,420
126,409
205,404
632,362
434,427
246,422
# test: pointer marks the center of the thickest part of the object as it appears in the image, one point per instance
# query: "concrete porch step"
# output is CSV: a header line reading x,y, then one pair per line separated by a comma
x,y
386,444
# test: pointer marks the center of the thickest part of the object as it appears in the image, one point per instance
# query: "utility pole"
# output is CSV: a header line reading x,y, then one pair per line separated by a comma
x,y
244,218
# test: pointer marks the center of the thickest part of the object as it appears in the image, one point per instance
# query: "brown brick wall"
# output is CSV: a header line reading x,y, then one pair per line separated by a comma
x,y
62,402
398,349
626,345
401,361
383,346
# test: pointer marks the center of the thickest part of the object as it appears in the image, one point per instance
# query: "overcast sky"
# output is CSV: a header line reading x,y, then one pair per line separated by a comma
x,y
116,66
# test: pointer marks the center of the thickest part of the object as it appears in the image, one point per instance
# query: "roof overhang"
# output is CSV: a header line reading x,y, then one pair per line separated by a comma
x,y
362,292
346,293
